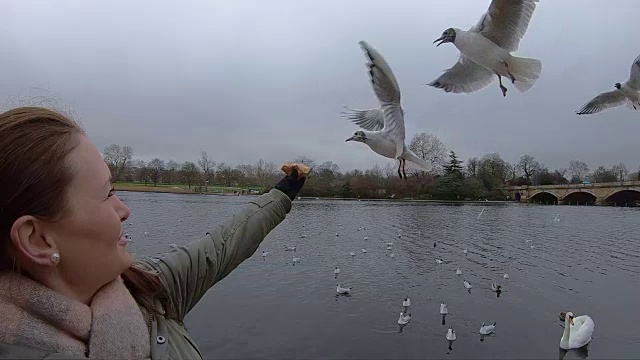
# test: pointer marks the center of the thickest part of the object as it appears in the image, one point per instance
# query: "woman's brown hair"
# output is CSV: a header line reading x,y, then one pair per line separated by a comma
x,y
34,178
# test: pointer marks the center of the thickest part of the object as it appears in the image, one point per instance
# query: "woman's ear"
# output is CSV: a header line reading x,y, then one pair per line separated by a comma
x,y
31,243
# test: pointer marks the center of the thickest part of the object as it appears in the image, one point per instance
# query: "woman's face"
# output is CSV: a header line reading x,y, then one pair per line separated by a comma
x,y
89,239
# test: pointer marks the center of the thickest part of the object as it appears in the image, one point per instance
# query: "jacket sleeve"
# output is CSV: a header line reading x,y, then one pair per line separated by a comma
x,y
189,271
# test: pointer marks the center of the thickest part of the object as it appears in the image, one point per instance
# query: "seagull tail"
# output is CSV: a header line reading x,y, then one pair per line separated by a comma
x,y
526,71
422,164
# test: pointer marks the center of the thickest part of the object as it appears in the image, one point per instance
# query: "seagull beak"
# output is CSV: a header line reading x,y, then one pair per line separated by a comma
x,y
441,39
350,139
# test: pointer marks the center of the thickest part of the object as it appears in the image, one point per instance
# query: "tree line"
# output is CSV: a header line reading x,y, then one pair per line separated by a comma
x,y
451,178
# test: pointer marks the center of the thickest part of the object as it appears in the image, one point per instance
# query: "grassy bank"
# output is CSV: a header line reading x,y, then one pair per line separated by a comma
x,y
174,188
216,190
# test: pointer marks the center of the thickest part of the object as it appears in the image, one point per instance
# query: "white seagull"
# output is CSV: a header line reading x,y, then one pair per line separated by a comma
x,y
487,329
443,309
627,93
467,285
485,50
384,130
406,302
341,290
451,335
404,319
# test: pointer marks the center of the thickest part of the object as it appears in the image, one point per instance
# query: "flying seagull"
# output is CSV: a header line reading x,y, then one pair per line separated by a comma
x,y
485,50
384,130
627,93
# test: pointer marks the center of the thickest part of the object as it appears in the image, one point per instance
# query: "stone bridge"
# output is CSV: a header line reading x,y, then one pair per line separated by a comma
x,y
619,193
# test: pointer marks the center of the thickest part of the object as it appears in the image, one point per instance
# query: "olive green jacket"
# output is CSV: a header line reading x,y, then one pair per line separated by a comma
x,y
189,271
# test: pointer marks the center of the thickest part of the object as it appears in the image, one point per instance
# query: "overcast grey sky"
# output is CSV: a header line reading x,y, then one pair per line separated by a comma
x,y
174,78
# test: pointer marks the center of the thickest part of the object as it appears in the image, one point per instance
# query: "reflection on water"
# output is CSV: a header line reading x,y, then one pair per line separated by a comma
x,y
267,308
581,353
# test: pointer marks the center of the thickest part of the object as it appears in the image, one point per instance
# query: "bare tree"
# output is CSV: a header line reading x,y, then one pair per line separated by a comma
x,y
207,165
620,170
140,171
472,166
117,157
171,172
390,170
430,148
190,172
224,174
156,168
578,170
529,166
265,172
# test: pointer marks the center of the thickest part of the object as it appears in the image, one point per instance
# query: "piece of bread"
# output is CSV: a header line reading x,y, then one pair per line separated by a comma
x,y
303,170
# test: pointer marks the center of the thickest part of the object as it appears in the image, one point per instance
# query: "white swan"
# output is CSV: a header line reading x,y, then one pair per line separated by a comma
x,y
406,302
577,331
487,329
458,272
443,309
451,335
403,320
341,290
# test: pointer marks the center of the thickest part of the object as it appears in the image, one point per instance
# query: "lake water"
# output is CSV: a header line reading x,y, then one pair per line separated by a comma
x,y
587,263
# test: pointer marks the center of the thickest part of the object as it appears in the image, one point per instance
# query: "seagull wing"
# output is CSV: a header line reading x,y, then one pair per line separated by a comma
x,y
603,101
372,119
634,76
506,22
464,77
387,90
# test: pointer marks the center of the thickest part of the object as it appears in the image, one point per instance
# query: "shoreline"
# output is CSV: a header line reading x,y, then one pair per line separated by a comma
x,y
175,190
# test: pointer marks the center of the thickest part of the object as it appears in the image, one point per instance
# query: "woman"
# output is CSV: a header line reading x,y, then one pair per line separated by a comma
x,y
68,287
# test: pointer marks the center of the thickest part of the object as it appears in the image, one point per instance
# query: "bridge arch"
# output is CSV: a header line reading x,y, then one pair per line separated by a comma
x,y
543,197
623,197
580,197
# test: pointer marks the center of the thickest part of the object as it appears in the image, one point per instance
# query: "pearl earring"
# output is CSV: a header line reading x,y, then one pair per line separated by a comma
x,y
55,258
